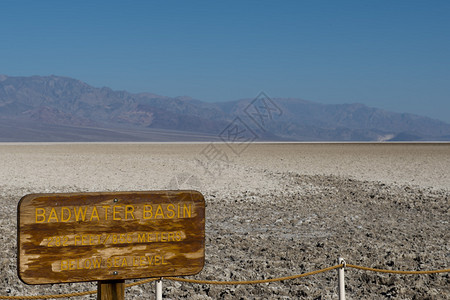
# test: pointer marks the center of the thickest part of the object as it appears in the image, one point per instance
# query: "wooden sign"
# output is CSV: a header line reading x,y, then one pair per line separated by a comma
x,y
110,236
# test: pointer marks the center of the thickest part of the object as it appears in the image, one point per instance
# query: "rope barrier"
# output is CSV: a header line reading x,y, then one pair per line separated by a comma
x,y
74,294
141,282
235,282
50,296
253,281
396,271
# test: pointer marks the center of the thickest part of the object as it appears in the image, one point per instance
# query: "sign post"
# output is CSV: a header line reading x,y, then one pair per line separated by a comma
x,y
111,290
110,237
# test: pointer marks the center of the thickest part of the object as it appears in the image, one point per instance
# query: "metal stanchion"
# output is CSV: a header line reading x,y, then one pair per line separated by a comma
x,y
341,279
159,289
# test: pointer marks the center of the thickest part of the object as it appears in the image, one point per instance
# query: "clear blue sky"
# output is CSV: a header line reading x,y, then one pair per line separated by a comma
x,y
388,54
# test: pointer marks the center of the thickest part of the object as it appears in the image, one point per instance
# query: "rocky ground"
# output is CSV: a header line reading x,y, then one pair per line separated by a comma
x,y
266,222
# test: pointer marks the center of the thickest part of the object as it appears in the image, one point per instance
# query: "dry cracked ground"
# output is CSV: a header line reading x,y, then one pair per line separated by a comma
x,y
267,216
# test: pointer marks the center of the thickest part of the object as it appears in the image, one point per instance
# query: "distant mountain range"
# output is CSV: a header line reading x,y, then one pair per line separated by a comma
x,y
53,108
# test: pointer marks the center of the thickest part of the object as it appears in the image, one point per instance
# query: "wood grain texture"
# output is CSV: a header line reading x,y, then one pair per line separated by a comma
x,y
110,236
111,290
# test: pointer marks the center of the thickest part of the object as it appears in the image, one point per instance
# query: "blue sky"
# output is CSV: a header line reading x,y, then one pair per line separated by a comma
x,y
393,55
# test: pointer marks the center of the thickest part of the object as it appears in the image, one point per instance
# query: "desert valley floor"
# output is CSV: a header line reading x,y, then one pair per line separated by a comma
x,y
272,210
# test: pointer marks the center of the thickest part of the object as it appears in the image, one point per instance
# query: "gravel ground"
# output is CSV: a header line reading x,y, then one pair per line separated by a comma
x,y
272,210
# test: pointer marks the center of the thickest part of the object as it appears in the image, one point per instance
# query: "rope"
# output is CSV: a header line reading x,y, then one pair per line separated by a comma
x,y
234,282
398,272
74,294
182,280
50,296
253,281
141,282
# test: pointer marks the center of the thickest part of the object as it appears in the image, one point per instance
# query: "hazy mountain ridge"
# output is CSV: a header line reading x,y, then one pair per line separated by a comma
x,y
43,103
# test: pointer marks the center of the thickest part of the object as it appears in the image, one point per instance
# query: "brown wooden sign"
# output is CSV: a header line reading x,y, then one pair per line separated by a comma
x,y
110,236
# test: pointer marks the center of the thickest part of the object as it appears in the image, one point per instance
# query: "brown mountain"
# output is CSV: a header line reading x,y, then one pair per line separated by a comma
x,y
54,108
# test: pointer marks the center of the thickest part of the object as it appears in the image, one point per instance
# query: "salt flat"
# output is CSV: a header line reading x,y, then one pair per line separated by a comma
x,y
283,208
216,166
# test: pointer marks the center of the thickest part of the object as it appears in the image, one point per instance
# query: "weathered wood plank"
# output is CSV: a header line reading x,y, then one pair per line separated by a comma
x,y
110,236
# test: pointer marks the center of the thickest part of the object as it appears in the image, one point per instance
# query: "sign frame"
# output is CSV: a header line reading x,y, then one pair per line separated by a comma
x,y
103,236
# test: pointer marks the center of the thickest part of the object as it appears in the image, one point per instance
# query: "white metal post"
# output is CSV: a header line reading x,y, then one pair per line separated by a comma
x,y
341,279
159,289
